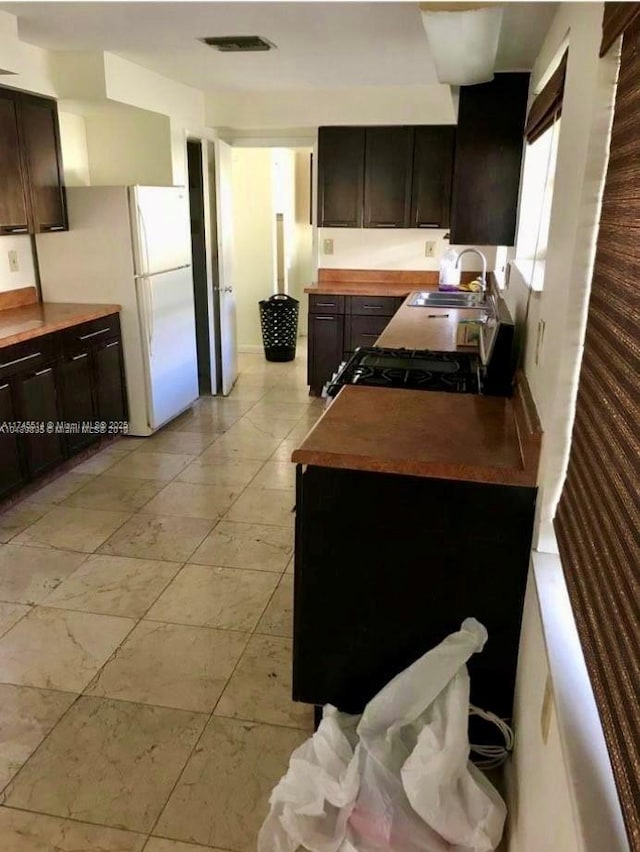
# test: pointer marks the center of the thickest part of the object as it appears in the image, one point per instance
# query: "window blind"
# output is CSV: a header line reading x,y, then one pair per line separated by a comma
x,y
547,106
617,18
598,518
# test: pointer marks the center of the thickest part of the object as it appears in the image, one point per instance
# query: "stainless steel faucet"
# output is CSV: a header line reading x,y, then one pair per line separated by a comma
x,y
483,279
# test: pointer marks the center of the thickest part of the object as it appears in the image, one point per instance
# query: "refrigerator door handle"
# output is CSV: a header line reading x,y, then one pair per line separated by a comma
x,y
150,321
143,238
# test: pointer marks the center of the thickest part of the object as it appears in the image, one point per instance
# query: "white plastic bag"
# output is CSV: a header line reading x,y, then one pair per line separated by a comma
x,y
398,778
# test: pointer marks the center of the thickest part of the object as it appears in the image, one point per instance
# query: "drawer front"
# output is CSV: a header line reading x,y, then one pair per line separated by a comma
x,y
326,304
92,332
29,356
364,331
374,306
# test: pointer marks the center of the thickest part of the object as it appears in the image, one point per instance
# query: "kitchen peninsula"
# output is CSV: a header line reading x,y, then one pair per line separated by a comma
x,y
414,510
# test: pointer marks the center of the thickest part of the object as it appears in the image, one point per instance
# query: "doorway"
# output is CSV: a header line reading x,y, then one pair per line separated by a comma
x,y
199,269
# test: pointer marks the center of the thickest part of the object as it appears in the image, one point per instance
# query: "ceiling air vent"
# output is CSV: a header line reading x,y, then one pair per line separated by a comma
x,y
238,44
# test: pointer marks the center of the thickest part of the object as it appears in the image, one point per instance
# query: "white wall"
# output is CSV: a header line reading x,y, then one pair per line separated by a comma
x,y
402,249
433,104
541,816
128,146
302,266
253,261
75,156
26,275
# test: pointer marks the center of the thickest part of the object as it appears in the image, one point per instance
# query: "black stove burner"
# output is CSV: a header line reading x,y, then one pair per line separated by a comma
x,y
452,372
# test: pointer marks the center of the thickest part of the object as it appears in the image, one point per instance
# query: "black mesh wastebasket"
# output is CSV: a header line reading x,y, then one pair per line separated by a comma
x,y
279,320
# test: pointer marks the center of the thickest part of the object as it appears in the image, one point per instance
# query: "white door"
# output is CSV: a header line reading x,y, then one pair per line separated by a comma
x,y
227,298
169,340
161,228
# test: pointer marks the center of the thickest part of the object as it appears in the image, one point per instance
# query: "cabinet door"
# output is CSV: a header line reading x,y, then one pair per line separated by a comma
x,y
387,177
11,475
76,399
363,331
109,385
340,176
432,172
41,143
13,201
38,404
326,336
486,170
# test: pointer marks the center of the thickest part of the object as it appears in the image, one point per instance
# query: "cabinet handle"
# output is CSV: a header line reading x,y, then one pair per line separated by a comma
x,y
373,307
20,360
429,225
52,228
44,372
79,357
329,319
335,225
383,224
94,333
5,386
16,230
325,304
113,343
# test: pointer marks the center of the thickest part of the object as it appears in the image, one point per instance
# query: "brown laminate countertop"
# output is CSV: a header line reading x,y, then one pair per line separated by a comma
x,y
357,288
427,328
30,321
419,433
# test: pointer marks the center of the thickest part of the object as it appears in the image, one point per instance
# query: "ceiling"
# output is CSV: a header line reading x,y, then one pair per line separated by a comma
x,y
319,44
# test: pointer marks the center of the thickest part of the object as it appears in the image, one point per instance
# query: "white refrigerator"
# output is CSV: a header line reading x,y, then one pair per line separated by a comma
x,y
132,246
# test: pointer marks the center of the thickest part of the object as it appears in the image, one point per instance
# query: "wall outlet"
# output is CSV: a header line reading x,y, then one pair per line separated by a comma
x,y
545,713
14,266
327,246
430,248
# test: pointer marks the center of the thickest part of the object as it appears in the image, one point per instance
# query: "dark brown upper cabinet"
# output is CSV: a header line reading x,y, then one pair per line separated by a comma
x,y
31,177
387,177
340,176
488,156
432,175
13,198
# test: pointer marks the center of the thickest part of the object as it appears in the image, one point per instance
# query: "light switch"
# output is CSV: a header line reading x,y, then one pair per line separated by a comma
x,y
327,246
14,266
429,248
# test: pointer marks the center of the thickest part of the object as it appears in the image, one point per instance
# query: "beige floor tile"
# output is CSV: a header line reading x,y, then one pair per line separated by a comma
x,y
263,506
172,441
21,831
227,598
115,494
10,614
56,649
26,717
260,687
60,488
255,546
281,410
269,426
222,796
192,500
161,844
66,528
139,465
283,451
276,474
171,665
227,473
277,619
108,762
290,567
18,518
29,574
99,462
158,537
114,585
287,394
127,443
241,445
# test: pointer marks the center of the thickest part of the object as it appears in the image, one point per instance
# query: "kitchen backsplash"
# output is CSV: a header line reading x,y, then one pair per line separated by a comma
x,y
370,248
26,274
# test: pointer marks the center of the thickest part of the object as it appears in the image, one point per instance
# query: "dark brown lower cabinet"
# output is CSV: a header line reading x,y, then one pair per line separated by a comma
x,y
72,379
109,381
38,404
326,337
11,469
386,566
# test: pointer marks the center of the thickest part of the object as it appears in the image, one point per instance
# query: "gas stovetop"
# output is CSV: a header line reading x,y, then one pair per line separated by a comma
x,y
414,369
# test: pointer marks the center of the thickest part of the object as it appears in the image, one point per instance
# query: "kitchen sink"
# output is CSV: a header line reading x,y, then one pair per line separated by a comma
x,y
439,299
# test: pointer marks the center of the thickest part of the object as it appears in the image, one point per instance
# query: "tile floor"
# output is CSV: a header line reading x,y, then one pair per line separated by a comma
x,y
145,633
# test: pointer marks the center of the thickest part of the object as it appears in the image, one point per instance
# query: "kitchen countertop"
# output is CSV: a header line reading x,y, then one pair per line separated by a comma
x,y
427,328
30,321
355,288
425,433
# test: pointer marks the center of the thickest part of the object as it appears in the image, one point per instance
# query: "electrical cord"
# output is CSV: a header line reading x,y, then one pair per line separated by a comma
x,y
492,756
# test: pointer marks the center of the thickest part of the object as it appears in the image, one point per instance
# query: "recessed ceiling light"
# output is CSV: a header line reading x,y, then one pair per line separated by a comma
x,y
238,44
